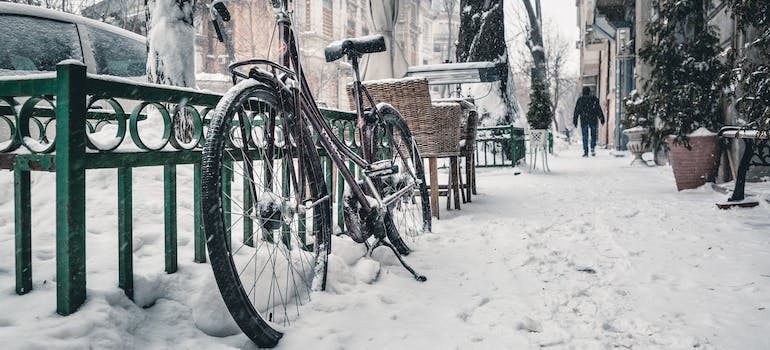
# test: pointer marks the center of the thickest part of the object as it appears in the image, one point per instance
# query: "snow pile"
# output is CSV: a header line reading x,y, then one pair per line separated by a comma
x,y
702,131
488,102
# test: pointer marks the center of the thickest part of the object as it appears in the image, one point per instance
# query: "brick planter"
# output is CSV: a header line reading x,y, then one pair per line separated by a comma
x,y
693,168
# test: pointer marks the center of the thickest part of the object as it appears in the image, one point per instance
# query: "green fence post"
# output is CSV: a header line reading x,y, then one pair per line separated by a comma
x,y
70,187
169,216
340,186
513,146
248,205
339,203
550,142
125,232
23,234
198,240
285,193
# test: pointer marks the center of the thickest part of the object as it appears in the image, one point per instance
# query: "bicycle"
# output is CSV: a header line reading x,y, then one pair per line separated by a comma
x,y
270,123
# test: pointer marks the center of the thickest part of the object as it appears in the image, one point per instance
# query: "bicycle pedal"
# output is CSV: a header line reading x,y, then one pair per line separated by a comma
x,y
381,168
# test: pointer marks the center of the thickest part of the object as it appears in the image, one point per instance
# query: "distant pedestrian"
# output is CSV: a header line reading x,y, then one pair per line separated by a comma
x,y
588,110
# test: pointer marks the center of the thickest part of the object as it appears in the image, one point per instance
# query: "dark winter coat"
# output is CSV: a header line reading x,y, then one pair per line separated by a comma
x,y
588,110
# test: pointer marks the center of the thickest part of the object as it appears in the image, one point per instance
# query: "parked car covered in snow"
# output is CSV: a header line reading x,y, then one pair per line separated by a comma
x,y
34,39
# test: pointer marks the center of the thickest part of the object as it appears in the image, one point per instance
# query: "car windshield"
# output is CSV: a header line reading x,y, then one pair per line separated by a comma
x,y
118,55
35,44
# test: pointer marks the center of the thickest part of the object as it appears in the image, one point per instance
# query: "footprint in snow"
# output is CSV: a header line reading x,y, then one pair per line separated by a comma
x,y
530,325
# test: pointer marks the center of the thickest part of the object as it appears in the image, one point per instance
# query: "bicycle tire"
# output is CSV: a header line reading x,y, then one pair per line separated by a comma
x,y
255,317
405,219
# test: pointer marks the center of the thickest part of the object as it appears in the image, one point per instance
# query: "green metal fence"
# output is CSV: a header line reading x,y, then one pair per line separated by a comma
x,y
68,106
48,123
499,146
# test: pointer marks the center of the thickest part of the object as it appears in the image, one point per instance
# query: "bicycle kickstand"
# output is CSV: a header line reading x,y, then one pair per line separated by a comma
x,y
380,242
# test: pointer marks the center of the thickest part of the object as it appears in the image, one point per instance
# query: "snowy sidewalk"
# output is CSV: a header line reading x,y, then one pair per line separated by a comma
x,y
595,254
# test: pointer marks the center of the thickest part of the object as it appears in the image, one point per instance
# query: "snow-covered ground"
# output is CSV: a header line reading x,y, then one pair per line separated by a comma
x,y
595,254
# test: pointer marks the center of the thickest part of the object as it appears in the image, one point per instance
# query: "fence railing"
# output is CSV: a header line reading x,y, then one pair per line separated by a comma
x,y
57,122
68,122
499,146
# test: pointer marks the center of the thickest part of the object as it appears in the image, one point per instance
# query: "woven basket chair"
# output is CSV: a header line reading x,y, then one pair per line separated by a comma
x,y
468,128
435,127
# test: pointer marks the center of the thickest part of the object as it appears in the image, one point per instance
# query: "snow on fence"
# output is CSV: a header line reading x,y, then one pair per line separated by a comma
x,y
72,121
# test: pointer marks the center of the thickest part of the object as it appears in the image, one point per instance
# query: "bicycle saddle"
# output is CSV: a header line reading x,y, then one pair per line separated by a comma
x,y
354,47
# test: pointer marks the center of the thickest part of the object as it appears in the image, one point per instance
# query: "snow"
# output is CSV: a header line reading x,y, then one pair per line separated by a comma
x,y
28,75
702,131
213,77
72,61
170,43
594,254
636,129
451,66
488,102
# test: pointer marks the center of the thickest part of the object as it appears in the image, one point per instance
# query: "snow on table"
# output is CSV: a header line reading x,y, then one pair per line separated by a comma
x,y
595,254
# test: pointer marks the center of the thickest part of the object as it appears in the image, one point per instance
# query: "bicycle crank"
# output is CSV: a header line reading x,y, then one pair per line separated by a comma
x,y
360,224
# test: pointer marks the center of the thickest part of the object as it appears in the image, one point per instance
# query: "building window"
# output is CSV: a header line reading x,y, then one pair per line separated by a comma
x,y
328,18
350,28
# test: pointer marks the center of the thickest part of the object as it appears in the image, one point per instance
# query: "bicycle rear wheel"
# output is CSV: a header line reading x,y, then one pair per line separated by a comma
x,y
269,272
410,216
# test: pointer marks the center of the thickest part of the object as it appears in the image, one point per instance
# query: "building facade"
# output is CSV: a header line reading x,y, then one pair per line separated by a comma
x,y
608,64
318,23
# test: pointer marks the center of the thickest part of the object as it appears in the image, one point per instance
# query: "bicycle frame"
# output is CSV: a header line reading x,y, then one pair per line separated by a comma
x,y
304,101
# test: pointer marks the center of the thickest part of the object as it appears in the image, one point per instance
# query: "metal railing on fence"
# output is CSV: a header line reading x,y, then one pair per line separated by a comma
x,y
500,146
50,122
55,118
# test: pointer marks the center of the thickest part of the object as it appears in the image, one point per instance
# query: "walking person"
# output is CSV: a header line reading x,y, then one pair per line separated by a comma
x,y
590,113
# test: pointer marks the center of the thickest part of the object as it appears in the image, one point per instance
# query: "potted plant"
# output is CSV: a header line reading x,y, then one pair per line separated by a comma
x,y
683,88
637,125
539,114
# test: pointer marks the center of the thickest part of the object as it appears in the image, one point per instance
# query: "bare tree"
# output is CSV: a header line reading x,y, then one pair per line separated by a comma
x,y
561,84
449,8
535,39
558,52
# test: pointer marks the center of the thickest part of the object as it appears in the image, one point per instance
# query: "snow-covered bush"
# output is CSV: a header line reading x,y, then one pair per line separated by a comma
x,y
539,114
637,108
751,75
684,85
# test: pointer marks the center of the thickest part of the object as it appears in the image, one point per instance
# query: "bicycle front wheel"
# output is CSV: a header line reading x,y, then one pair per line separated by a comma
x,y
266,274
409,216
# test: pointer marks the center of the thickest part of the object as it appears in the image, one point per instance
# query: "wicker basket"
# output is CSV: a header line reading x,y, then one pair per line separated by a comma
x,y
435,128
469,127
